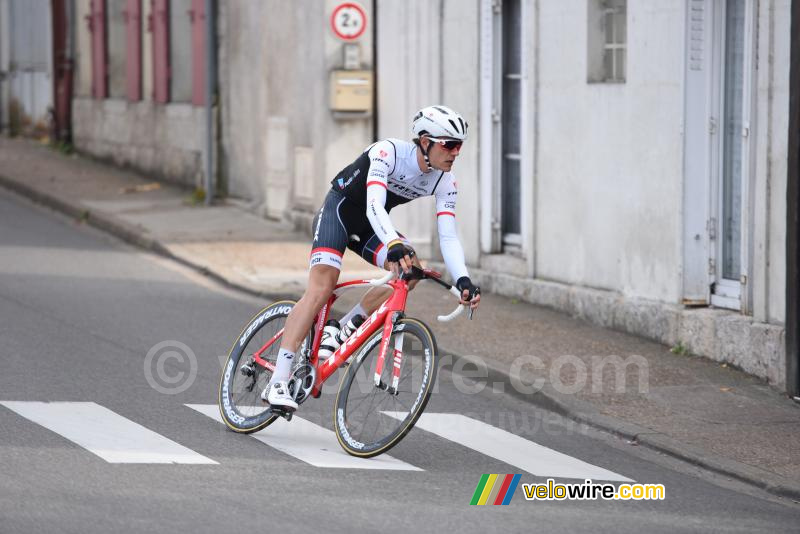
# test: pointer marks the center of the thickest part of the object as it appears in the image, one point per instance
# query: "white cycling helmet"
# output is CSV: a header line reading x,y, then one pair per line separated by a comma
x,y
439,121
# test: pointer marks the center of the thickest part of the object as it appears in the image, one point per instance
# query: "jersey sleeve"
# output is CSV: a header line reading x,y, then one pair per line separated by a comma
x,y
452,251
382,160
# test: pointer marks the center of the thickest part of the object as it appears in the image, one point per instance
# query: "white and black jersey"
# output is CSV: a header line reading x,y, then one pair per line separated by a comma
x,y
385,175
391,163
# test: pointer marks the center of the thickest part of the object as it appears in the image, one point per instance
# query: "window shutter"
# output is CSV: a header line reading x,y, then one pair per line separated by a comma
x,y
198,17
160,28
133,32
97,27
697,30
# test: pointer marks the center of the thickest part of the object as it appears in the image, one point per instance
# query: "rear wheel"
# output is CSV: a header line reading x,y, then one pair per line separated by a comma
x,y
369,419
243,379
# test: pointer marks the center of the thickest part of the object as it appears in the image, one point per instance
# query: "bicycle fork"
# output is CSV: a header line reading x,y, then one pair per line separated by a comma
x,y
397,358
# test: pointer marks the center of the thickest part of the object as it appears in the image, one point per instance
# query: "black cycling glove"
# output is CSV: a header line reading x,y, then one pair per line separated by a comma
x,y
397,251
465,283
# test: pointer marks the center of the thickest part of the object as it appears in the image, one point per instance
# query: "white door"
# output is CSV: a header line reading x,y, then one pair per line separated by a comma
x,y
730,142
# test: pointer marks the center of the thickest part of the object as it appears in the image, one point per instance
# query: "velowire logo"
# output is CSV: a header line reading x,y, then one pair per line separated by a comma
x,y
495,489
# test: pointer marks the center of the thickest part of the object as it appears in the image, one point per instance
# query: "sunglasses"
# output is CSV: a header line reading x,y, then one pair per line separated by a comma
x,y
447,144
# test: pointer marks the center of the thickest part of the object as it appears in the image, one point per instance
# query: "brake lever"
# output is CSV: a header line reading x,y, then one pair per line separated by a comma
x,y
471,310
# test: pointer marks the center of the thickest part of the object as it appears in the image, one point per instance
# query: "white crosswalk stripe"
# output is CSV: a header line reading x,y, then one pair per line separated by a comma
x,y
311,443
110,436
509,448
117,439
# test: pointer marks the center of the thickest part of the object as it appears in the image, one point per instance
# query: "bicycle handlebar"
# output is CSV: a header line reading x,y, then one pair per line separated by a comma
x,y
458,311
451,289
381,281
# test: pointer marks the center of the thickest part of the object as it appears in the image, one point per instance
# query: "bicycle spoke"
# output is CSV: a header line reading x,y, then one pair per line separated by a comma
x,y
244,392
357,406
365,403
369,411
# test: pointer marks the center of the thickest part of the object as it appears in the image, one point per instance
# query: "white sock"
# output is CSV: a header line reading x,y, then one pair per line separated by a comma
x,y
357,310
283,366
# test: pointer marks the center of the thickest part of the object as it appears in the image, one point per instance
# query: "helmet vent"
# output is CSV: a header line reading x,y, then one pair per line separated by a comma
x,y
463,126
437,108
455,127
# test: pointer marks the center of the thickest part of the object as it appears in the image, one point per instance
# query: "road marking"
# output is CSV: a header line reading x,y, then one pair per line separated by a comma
x,y
110,436
509,448
311,443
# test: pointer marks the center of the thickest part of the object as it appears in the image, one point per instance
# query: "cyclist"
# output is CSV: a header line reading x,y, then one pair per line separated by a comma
x,y
355,215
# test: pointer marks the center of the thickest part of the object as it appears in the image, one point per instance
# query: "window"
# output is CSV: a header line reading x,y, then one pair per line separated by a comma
x,y
117,60
731,146
180,51
198,19
606,41
511,94
159,26
97,27
133,30
179,37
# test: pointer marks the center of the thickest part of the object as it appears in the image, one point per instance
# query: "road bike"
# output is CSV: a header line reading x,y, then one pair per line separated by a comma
x,y
381,394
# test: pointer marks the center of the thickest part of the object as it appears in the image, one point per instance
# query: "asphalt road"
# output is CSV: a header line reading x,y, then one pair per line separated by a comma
x,y
79,313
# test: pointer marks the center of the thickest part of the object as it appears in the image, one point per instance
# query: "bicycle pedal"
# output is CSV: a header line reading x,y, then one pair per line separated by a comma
x,y
286,414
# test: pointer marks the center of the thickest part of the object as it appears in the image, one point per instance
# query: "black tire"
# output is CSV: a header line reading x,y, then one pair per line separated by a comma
x,y
360,426
239,396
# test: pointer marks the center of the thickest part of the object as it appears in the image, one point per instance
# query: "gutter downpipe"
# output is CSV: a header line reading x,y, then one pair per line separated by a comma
x,y
793,215
63,53
375,82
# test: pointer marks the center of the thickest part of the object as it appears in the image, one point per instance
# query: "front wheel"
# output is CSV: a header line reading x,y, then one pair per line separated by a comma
x,y
370,419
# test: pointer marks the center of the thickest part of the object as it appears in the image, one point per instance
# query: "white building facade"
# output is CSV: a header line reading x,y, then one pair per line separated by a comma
x,y
652,153
139,85
627,160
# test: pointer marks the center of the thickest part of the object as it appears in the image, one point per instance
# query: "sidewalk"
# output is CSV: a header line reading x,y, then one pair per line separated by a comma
x,y
685,406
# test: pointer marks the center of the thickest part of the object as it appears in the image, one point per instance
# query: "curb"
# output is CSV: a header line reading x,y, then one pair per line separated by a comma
x,y
583,413
549,400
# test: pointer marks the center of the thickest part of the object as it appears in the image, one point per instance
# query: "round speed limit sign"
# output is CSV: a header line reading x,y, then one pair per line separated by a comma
x,y
348,21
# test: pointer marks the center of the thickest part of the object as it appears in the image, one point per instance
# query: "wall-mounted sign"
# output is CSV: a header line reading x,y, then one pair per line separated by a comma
x,y
348,21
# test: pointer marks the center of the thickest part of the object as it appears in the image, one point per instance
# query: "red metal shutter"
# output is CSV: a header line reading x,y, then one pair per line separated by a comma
x,y
160,28
133,33
97,27
198,17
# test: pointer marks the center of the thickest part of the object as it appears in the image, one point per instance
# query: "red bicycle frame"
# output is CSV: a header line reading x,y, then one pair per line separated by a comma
x,y
386,316
383,316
